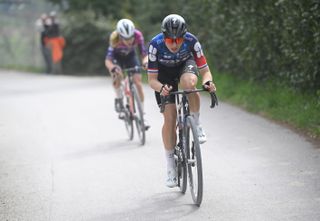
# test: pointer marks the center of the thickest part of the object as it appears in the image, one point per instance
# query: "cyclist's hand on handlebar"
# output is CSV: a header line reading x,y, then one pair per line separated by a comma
x,y
145,66
165,90
115,70
209,86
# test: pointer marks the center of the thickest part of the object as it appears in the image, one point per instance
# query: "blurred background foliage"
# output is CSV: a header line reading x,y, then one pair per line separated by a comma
x,y
253,40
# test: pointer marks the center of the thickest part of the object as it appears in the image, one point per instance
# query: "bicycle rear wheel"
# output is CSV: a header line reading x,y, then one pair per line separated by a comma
x,y
181,168
194,161
138,115
128,119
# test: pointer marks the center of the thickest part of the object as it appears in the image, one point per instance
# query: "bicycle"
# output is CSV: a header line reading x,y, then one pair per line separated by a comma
x,y
187,152
132,111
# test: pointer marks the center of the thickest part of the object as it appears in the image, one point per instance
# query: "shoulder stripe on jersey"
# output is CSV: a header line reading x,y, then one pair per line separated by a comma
x,y
152,71
202,66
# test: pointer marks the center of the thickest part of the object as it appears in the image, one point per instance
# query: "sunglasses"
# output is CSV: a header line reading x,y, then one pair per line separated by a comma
x,y
171,40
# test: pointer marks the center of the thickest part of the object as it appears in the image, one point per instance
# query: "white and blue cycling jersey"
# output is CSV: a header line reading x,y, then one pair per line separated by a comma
x,y
160,55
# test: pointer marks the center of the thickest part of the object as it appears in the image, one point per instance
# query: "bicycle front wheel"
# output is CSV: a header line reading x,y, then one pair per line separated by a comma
x,y
181,168
138,115
194,161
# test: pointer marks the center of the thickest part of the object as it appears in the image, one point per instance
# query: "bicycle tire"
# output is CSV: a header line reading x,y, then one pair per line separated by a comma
x,y
181,169
138,115
194,161
128,119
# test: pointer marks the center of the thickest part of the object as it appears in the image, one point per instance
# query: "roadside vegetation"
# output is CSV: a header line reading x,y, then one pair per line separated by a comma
x,y
265,53
274,100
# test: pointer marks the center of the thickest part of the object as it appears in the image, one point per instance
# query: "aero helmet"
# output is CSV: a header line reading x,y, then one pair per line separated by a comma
x,y
174,26
125,28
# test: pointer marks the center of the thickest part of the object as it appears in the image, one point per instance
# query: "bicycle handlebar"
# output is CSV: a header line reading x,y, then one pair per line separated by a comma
x,y
136,68
164,99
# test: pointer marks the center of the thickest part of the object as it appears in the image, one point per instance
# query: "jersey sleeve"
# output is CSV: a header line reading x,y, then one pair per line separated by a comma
x,y
197,52
113,38
152,58
140,41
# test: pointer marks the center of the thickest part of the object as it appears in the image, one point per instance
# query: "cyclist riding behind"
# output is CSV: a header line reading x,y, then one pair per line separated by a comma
x,y
175,57
121,53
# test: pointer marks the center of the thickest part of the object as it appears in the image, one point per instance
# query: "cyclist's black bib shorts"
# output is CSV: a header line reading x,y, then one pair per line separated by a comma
x,y
126,61
171,76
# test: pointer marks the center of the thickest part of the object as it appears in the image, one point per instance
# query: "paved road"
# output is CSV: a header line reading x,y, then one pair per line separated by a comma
x,y
64,156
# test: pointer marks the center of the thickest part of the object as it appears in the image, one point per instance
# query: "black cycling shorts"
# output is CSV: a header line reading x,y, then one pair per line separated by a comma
x,y
171,76
127,61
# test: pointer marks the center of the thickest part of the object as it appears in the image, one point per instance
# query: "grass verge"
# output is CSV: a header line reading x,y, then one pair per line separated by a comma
x,y
274,101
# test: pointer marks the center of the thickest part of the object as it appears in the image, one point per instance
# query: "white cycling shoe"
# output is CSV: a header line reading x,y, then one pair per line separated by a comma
x,y
171,180
201,134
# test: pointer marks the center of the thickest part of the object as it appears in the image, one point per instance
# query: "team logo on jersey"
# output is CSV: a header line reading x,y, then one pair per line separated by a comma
x,y
152,53
198,49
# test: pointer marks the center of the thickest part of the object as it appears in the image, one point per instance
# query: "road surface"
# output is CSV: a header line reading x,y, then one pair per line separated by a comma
x,y
64,155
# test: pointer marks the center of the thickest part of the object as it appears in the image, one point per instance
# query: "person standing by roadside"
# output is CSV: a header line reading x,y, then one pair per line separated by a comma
x,y
55,42
42,26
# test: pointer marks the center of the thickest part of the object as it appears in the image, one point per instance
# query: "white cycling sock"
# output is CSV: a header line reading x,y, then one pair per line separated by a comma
x,y
118,92
196,116
170,158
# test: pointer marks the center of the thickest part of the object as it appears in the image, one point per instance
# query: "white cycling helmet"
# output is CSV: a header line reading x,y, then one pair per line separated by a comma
x,y
125,28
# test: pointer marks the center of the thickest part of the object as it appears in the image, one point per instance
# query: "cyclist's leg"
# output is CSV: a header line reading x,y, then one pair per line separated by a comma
x,y
169,138
167,76
132,61
188,80
117,79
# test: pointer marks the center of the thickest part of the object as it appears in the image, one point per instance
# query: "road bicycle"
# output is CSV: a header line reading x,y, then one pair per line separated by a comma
x,y
187,151
132,111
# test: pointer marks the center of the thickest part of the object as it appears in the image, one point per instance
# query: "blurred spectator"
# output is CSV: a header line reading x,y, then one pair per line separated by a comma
x,y
42,25
52,43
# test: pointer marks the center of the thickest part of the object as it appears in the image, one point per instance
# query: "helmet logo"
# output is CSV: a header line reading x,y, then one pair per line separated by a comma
x,y
126,27
174,20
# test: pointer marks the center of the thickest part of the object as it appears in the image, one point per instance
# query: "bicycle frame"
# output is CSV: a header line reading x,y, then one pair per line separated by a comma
x,y
133,102
187,151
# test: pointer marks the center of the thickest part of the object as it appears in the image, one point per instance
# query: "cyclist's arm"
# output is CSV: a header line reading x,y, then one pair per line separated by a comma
x,y
113,41
207,77
203,67
145,61
141,46
109,64
109,61
154,82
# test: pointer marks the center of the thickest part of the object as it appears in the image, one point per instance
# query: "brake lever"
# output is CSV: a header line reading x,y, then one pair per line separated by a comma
x,y
214,100
163,103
